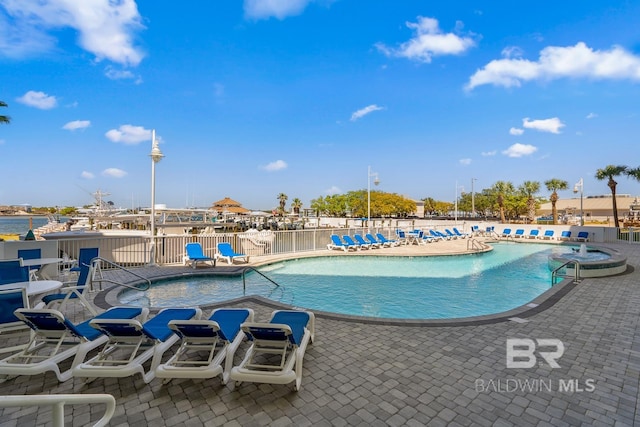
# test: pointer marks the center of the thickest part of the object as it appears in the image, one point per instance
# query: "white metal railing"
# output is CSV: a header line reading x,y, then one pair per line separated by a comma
x,y
57,402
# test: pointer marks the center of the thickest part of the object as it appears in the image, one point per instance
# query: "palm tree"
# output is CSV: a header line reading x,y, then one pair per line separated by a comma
x,y
4,119
282,198
634,173
529,189
296,204
554,185
502,189
609,173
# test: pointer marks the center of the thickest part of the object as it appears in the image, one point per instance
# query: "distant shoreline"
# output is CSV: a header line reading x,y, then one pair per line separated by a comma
x,y
21,215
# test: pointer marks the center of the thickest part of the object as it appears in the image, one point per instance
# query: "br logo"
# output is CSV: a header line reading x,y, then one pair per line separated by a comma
x,y
521,352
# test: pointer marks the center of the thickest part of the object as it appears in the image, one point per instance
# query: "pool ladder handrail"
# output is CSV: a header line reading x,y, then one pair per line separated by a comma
x,y
475,244
576,275
244,280
97,263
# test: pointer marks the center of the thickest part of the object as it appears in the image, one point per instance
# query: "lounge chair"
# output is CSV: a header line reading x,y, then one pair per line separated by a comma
x,y
337,243
424,238
219,336
548,235
195,254
475,230
459,233
31,254
506,232
132,343
371,239
402,237
56,339
10,326
519,233
385,241
437,235
348,240
450,234
12,271
225,251
533,233
565,235
77,289
363,243
277,348
583,236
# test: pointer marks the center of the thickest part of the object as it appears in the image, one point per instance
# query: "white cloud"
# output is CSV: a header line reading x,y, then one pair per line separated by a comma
x,y
519,150
275,166
557,62
129,134
364,111
427,42
591,116
489,153
114,74
333,190
265,9
465,162
87,175
106,28
77,124
38,100
516,131
552,125
114,172
512,52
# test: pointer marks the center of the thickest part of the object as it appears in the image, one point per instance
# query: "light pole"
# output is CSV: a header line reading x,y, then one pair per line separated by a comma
x,y
580,184
156,156
473,198
455,209
376,181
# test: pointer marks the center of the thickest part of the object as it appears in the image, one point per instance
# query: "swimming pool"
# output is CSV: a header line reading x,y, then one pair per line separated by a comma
x,y
440,287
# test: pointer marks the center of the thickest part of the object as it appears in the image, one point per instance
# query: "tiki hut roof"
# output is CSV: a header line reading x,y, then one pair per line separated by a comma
x,y
229,205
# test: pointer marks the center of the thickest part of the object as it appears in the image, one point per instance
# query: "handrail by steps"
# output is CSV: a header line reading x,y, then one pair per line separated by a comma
x,y
98,261
244,282
576,275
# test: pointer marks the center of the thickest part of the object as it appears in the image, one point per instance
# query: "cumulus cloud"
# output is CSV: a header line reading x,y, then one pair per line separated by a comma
x,y
129,134
428,41
87,175
465,162
333,190
280,9
591,116
489,153
519,150
114,173
516,131
77,124
555,62
275,166
115,74
38,100
364,111
552,125
106,28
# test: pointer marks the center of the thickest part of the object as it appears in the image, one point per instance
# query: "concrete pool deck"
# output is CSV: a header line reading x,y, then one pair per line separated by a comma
x,y
359,373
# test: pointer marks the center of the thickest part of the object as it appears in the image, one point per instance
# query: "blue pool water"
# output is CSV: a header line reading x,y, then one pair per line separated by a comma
x,y
386,287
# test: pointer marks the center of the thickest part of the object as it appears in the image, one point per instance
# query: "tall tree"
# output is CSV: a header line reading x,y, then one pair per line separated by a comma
x,y
608,173
529,189
282,199
4,119
501,189
296,204
554,185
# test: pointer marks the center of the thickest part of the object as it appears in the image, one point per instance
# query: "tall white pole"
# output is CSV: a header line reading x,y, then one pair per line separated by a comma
x,y
368,195
473,199
455,209
156,156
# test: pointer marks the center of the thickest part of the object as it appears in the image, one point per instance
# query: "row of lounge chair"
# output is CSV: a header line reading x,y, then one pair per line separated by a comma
x,y
357,242
534,233
194,254
129,343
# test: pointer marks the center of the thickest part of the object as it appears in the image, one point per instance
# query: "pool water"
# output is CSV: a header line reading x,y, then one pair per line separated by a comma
x,y
385,287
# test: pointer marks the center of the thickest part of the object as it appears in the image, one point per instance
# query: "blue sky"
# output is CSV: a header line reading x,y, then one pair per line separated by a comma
x,y
256,98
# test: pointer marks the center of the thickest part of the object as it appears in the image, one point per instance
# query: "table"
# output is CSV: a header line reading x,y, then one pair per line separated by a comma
x,y
36,287
42,262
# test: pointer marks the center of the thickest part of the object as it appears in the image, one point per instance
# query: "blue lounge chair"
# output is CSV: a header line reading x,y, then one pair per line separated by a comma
x,y
437,235
371,239
10,326
385,241
583,236
195,254
565,235
548,235
31,254
460,234
218,337
12,271
506,232
533,233
475,230
76,290
349,241
225,251
56,339
337,243
363,243
132,343
451,235
519,233
286,335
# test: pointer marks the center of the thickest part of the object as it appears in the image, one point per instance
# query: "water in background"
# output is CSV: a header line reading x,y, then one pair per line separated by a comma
x,y
20,224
